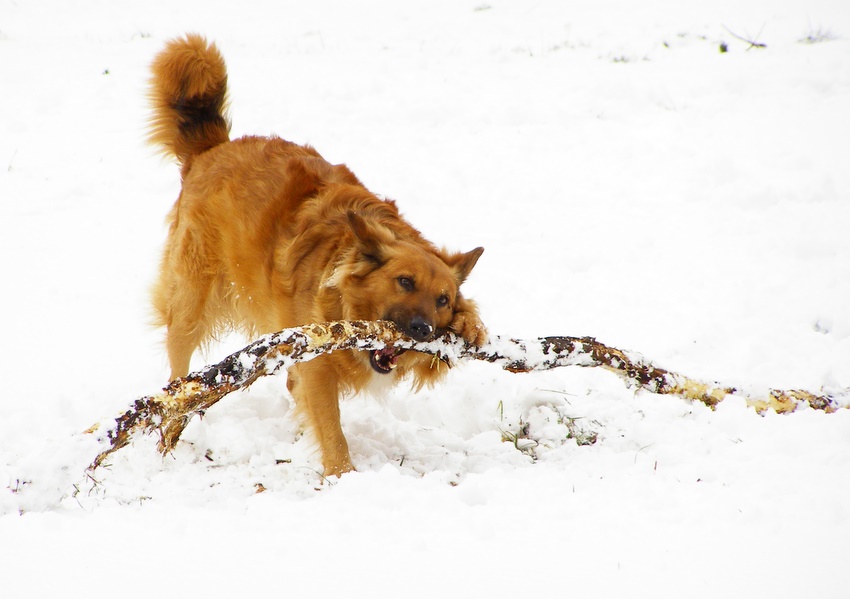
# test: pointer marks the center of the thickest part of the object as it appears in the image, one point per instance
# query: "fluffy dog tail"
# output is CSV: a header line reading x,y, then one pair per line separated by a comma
x,y
189,99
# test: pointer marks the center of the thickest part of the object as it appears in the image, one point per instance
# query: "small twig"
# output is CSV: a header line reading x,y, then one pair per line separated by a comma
x,y
752,43
322,476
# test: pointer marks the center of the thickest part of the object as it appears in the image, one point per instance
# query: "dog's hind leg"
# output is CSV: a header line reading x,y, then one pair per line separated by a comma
x,y
187,323
182,297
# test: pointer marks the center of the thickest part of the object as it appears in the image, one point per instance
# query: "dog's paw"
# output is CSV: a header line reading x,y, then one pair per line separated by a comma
x,y
337,467
468,326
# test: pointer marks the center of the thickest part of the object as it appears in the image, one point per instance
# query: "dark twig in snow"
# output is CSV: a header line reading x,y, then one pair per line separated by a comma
x,y
752,43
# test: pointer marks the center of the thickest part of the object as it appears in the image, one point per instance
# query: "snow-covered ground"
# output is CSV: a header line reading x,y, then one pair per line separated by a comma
x,y
629,181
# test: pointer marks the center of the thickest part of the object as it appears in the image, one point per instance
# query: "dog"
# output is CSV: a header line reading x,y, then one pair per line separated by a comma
x,y
266,235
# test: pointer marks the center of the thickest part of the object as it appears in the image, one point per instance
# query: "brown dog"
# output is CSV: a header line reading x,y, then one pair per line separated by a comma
x,y
266,234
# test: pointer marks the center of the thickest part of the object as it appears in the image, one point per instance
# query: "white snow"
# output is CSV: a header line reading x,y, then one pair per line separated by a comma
x,y
628,180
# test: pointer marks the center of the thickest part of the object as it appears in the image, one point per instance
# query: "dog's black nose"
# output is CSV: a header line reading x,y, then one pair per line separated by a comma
x,y
420,329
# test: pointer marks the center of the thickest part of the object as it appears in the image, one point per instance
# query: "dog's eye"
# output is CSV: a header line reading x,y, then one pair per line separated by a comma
x,y
406,283
442,301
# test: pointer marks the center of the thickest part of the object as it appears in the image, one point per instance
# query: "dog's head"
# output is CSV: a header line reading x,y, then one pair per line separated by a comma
x,y
402,280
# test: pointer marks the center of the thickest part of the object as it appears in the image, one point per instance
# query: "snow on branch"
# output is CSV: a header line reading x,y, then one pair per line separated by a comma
x,y
170,411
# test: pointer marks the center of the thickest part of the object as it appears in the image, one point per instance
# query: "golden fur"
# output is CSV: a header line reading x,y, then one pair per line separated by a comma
x,y
266,234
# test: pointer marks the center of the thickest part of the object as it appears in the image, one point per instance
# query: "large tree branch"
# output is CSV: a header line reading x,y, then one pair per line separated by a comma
x,y
169,411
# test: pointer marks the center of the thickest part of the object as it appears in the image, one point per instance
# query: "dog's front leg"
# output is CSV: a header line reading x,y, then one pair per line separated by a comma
x,y
467,324
316,391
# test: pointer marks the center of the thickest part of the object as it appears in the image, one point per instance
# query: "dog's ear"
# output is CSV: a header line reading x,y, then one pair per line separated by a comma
x,y
372,239
463,264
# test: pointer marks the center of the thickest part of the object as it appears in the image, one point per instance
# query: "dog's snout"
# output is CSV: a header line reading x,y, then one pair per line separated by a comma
x,y
420,329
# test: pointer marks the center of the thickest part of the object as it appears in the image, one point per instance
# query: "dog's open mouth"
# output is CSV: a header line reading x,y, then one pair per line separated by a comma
x,y
385,360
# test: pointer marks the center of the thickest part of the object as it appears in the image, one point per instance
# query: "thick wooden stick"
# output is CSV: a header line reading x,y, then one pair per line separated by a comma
x,y
170,411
